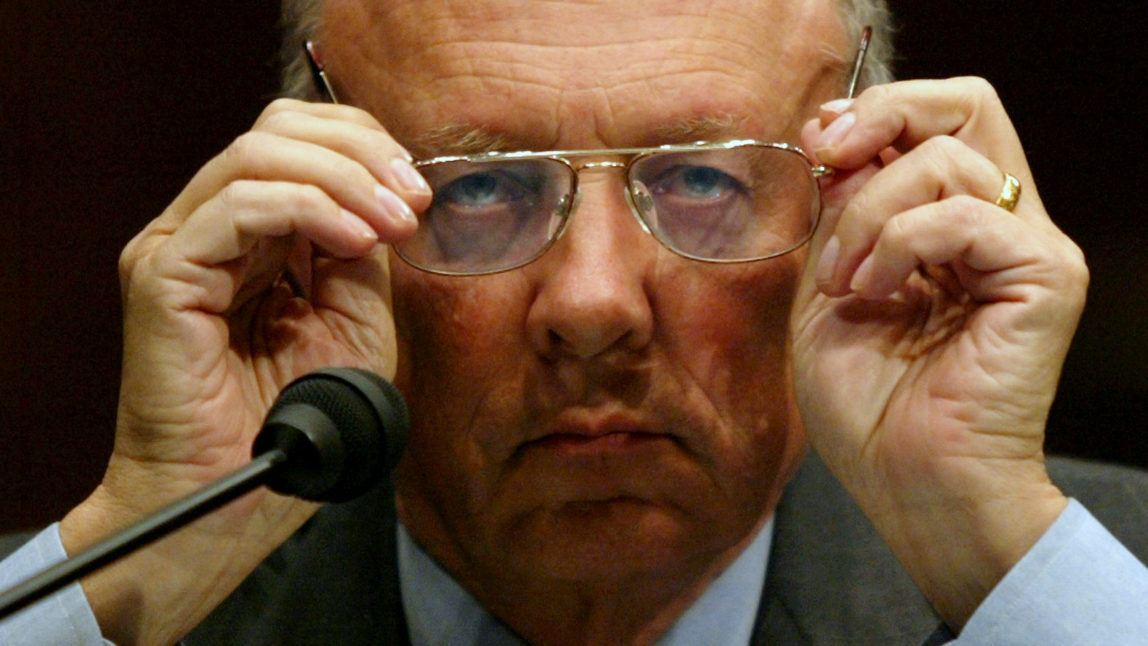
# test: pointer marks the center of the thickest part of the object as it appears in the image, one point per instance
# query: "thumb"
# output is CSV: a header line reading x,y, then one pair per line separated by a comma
x,y
837,189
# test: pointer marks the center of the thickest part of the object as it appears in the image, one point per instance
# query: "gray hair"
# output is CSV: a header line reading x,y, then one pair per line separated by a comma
x,y
300,22
857,14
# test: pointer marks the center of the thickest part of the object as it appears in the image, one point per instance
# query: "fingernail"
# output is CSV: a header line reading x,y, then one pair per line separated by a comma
x,y
827,264
837,106
409,178
836,132
863,276
394,206
362,229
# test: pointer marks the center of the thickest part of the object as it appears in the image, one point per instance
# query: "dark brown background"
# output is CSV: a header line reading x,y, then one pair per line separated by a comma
x,y
108,108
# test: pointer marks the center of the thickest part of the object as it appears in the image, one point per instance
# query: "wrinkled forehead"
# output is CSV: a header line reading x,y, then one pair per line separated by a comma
x,y
481,74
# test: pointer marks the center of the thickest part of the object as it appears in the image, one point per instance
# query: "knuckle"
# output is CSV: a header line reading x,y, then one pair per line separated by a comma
x,y
246,150
1075,265
957,164
900,230
945,146
979,86
280,106
306,198
1066,271
251,203
277,121
859,213
135,258
233,197
882,93
129,257
897,230
965,213
943,152
965,209
979,91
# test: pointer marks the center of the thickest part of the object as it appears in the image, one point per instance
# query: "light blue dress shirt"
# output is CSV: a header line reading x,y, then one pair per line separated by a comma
x,y
1078,585
62,619
441,613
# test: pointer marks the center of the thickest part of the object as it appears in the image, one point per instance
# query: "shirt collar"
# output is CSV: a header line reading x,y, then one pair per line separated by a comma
x,y
440,612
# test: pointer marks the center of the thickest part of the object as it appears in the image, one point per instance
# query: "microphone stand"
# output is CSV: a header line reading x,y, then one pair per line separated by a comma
x,y
329,437
155,525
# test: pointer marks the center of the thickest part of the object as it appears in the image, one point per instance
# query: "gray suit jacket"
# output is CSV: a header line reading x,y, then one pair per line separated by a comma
x,y
831,580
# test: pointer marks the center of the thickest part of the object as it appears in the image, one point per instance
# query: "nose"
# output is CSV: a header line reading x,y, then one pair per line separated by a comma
x,y
593,286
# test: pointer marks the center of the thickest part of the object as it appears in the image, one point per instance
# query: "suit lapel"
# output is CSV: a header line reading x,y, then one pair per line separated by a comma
x,y
831,580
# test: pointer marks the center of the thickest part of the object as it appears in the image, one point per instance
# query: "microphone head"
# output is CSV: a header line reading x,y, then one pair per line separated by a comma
x,y
341,429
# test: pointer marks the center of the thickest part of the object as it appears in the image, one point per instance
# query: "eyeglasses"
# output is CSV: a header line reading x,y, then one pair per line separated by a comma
x,y
727,202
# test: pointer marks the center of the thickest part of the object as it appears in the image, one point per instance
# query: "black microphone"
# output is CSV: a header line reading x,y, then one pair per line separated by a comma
x,y
329,437
340,429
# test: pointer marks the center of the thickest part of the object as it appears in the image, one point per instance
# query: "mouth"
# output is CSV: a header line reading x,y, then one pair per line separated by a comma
x,y
602,455
597,444
582,434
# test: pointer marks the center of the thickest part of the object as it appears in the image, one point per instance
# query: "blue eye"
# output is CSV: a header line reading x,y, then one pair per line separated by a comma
x,y
703,181
694,183
481,190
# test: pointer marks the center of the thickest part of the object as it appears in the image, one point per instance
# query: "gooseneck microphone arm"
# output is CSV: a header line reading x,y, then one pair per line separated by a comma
x,y
143,532
329,437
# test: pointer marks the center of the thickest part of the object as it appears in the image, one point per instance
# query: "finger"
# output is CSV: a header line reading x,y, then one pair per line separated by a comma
x,y
333,111
368,143
904,115
266,156
976,238
341,129
231,226
941,168
835,190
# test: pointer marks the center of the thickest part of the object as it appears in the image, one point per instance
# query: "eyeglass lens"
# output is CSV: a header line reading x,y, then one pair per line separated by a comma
x,y
721,204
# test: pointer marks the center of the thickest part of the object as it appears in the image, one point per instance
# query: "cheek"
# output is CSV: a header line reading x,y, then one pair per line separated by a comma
x,y
455,331
730,343
732,332
460,346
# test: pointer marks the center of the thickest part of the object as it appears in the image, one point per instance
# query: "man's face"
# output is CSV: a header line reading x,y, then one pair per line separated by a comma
x,y
610,408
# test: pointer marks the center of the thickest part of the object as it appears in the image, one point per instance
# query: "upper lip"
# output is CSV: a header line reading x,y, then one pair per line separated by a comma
x,y
592,424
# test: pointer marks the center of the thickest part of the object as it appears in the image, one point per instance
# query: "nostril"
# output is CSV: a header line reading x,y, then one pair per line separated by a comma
x,y
555,341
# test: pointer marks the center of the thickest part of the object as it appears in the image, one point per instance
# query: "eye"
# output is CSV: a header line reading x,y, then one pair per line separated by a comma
x,y
694,183
704,182
479,190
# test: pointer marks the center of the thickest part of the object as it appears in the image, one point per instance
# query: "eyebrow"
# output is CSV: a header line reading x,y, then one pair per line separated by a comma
x,y
463,139
700,129
458,139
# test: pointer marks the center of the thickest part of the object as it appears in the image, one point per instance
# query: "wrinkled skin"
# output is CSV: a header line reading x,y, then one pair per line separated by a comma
x,y
599,433
681,367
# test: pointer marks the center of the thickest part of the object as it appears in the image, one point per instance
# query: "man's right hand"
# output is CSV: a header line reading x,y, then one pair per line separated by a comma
x,y
265,267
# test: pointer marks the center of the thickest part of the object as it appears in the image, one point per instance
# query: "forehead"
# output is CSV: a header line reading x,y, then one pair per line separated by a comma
x,y
445,74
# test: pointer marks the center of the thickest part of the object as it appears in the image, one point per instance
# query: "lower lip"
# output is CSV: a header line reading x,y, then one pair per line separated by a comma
x,y
598,444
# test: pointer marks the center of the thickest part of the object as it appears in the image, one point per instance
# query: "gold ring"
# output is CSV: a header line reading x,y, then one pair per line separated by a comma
x,y
1010,193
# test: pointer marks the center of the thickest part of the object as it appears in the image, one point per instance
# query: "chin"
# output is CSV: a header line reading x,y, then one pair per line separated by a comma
x,y
599,541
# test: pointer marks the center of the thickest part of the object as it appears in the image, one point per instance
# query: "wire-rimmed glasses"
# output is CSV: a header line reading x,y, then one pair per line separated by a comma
x,y
725,202
733,201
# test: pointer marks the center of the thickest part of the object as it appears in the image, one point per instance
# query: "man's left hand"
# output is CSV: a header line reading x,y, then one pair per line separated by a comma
x,y
930,330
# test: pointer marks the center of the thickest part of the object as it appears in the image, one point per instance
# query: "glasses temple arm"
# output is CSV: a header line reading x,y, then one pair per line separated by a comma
x,y
859,63
319,74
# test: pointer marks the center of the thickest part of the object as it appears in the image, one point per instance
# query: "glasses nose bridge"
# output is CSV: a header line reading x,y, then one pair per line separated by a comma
x,y
580,166
577,165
